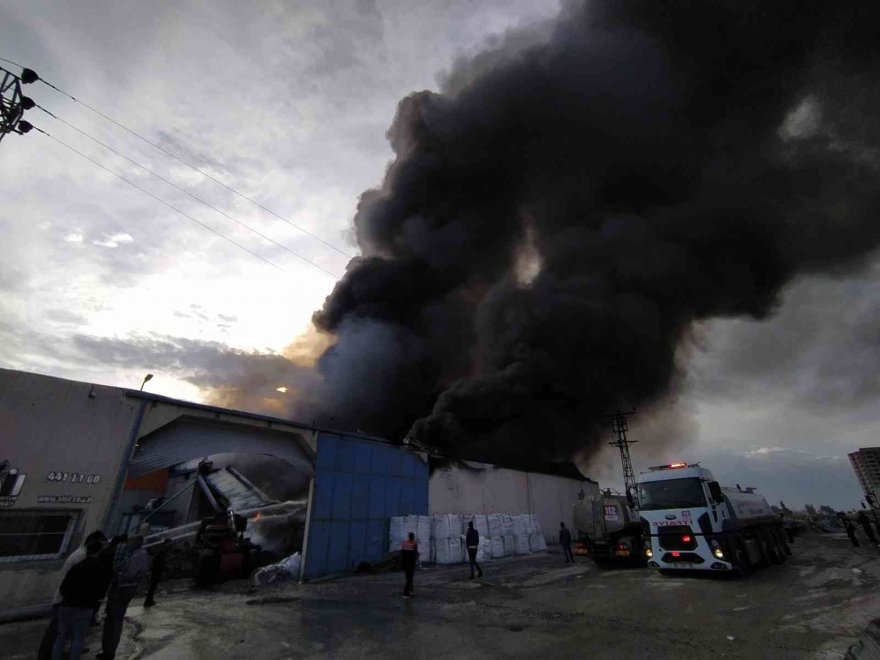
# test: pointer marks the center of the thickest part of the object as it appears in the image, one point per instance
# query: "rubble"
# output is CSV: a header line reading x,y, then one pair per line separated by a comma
x,y
282,571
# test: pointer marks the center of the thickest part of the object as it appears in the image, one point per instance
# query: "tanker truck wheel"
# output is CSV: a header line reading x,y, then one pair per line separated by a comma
x,y
742,566
783,544
768,545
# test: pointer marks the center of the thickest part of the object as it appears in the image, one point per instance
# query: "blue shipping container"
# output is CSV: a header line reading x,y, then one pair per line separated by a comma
x,y
359,485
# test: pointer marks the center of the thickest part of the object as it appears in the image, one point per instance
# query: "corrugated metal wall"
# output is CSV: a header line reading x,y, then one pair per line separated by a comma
x,y
359,485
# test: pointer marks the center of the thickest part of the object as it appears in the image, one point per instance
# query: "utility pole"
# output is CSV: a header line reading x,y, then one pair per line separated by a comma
x,y
13,103
619,428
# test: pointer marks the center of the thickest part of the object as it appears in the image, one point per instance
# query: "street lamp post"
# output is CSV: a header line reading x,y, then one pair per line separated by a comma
x,y
146,378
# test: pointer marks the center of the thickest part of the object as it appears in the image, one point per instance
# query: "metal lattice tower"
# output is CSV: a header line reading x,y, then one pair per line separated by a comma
x,y
13,103
618,429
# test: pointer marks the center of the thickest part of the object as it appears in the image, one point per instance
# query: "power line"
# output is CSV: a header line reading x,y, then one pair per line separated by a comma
x,y
158,199
195,197
193,167
3,59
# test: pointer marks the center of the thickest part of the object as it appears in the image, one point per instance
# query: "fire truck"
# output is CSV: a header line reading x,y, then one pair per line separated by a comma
x,y
691,522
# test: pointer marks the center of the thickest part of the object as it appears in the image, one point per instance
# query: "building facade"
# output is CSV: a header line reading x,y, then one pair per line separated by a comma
x,y
77,457
866,465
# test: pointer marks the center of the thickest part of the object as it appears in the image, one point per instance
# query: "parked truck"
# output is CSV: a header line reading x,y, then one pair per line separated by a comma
x,y
608,529
691,522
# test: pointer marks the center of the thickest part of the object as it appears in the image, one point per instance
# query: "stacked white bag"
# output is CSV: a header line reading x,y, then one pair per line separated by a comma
x,y
423,534
401,526
536,536
481,524
507,537
441,537
494,522
446,539
521,534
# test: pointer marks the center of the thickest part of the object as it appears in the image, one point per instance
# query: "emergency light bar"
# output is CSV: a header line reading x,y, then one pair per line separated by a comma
x,y
672,466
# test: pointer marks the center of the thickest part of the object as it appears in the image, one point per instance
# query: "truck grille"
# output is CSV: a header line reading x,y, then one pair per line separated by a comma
x,y
677,537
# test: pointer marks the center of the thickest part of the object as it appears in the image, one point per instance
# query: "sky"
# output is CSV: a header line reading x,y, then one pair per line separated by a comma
x,y
290,105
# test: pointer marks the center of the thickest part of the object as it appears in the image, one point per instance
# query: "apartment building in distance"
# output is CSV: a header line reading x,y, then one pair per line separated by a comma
x,y
866,464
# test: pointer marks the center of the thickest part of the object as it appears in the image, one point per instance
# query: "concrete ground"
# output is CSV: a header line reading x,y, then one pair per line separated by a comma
x,y
814,606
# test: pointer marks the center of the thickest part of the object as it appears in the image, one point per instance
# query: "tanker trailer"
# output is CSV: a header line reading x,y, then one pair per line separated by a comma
x,y
690,522
608,530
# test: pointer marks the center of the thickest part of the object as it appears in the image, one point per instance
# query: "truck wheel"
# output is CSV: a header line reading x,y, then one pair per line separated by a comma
x,y
741,566
786,550
769,545
781,548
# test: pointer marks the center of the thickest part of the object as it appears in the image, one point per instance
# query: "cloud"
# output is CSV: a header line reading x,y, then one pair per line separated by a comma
x,y
794,476
114,240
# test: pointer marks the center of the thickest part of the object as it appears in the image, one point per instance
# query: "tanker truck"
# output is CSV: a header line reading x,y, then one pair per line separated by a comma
x,y
607,529
690,522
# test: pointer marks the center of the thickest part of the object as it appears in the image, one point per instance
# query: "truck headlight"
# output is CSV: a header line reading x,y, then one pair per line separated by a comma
x,y
649,553
718,553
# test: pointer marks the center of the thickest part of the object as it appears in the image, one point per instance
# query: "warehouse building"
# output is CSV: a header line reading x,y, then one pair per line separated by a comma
x,y
75,457
547,490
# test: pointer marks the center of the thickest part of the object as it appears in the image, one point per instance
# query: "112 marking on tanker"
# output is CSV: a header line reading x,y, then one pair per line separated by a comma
x,y
690,522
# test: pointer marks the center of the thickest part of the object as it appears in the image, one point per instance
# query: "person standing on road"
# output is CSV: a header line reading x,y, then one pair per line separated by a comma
x,y
565,542
75,558
472,543
156,570
130,566
409,555
81,592
866,525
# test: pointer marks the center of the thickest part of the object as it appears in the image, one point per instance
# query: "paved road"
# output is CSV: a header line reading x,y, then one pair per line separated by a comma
x,y
813,606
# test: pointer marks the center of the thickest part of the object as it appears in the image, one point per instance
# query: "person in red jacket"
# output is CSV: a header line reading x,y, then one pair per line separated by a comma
x,y
409,554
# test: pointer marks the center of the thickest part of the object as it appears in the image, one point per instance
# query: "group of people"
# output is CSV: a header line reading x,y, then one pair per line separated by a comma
x,y
850,528
409,554
100,568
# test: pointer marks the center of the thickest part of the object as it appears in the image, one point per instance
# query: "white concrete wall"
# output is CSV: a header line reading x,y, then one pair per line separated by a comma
x,y
49,424
462,489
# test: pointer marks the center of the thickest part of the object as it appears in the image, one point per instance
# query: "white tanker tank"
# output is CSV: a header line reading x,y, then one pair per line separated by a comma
x,y
692,523
746,506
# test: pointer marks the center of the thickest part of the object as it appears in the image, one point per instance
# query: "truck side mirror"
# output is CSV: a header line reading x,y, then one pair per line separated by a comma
x,y
715,492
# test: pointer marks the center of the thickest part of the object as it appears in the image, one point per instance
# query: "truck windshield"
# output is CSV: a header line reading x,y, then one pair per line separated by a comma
x,y
671,494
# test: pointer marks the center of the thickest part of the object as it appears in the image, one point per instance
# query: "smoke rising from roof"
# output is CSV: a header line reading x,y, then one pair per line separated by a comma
x,y
646,165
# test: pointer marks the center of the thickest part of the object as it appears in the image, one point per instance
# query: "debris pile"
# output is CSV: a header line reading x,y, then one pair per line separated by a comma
x,y
282,571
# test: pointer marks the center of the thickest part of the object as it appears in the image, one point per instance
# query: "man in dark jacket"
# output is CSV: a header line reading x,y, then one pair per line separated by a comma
x,y
409,555
565,542
75,558
865,522
157,568
472,543
81,591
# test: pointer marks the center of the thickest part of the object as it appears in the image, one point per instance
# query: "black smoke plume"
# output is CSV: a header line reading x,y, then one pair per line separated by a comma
x,y
560,215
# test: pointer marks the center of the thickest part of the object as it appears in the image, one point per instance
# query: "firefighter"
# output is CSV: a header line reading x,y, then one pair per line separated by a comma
x,y
472,542
409,554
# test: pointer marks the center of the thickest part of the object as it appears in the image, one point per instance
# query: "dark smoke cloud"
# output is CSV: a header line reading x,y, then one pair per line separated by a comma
x,y
664,162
